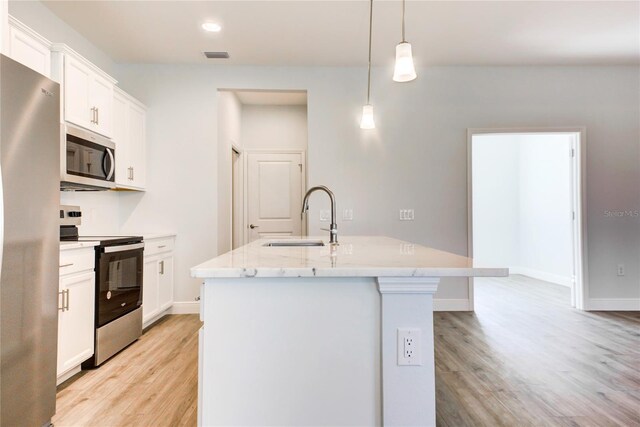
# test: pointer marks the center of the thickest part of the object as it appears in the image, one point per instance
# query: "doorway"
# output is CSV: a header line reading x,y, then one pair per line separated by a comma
x,y
268,163
527,204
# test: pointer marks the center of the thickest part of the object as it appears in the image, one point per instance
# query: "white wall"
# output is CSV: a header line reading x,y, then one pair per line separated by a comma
x,y
545,234
274,127
416,158
496,201
522,204
229,132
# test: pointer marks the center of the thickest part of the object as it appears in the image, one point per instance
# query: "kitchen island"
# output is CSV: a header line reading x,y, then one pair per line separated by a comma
x,y
322,335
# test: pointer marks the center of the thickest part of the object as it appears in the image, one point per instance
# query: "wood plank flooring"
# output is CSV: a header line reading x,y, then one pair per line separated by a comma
x,y
524,358
153,382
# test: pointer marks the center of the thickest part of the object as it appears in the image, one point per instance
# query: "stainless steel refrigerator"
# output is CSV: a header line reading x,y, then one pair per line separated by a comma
x,y
29,231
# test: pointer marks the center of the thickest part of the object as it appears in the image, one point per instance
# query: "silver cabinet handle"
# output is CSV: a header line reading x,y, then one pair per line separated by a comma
x,y
162,246
132,173
161,267
66,265
251,226
61,303
97,116
122,248
93,115
65,300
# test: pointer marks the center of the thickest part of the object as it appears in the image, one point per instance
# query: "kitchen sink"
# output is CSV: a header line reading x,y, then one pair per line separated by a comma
x,y
294,243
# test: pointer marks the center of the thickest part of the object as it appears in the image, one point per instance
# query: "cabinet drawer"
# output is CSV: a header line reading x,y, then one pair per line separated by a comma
x,y
77,260
156,246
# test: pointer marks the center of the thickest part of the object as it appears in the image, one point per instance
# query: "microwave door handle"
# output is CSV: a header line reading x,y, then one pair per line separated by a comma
x,y
113,164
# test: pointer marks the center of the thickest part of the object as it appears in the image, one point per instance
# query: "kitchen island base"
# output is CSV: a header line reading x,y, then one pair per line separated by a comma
x,y
315,351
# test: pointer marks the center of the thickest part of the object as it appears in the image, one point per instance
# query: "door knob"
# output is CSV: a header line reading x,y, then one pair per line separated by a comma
x,y
251,226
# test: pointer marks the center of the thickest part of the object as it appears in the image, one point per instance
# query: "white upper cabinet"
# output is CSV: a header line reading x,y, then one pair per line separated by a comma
x,y
87,91
129,135
4,27
29,48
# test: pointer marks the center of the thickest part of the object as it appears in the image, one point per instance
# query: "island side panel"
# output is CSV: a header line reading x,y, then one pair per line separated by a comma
x,y
291,351
408,394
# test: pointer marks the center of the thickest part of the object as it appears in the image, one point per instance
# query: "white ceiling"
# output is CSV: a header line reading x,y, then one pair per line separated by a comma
x,y
263,97
334,33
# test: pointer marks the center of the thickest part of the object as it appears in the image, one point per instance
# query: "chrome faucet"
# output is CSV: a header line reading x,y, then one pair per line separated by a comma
x,y
333,229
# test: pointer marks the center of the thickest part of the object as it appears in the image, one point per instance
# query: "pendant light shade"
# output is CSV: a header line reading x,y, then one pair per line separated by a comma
x,y
404,70
367,121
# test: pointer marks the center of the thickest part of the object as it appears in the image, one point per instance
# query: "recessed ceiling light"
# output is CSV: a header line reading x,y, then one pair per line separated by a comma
x,y
211,27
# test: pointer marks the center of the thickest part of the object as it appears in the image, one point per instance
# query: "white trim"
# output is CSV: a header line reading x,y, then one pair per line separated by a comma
x,y
613,304
68,374
408,285
580,290
13,22
447,304
64,49
542,275
185,307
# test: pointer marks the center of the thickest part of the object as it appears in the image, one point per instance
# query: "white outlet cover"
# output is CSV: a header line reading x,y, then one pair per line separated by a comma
x,y
347,215
409,341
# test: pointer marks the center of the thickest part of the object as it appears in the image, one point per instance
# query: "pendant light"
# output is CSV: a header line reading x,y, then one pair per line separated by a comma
x,y
404,70
367,121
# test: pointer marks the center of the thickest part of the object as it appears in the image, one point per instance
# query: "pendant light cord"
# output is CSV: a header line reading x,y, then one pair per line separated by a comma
x,y
403,39
369,70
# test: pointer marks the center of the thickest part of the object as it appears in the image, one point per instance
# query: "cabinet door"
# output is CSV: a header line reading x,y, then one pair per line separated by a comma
x,y
165,282
29,51
77,80
137,135
76,325
150,284
121,138
101,98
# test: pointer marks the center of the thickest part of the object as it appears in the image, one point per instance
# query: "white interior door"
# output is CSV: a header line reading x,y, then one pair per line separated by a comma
x,y
274,194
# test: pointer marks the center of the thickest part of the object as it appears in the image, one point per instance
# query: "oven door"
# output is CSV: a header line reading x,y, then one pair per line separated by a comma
x,y
119,281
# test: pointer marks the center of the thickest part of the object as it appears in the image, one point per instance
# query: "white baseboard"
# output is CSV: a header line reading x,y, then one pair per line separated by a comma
x,y
185,307
542,275
451,305
613,304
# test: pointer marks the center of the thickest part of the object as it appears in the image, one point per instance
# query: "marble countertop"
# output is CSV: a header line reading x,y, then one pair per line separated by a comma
x,y
355,256
64,246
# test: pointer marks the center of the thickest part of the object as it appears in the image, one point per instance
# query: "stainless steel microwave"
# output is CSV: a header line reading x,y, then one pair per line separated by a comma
x,y
88,160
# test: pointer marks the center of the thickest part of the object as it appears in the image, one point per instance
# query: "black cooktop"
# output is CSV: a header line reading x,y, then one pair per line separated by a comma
x,y
109,240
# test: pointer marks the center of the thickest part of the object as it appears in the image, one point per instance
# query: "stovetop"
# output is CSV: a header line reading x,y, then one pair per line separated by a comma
x,y
104,240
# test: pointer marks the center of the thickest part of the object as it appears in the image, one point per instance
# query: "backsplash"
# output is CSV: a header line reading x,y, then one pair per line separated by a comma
x,y
99,210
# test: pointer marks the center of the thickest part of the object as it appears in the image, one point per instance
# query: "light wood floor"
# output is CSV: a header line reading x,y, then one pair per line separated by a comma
x,y
524,358
153,382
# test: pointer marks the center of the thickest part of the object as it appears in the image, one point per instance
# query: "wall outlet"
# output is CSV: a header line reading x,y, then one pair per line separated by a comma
x,y
620,269
409,347
347,215
325,215
406,215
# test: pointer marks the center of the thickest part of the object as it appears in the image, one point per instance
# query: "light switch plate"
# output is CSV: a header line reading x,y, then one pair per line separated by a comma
x,y
347,215
406,215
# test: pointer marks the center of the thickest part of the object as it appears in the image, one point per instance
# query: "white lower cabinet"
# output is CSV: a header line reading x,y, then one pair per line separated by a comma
x,y
76,310
157,286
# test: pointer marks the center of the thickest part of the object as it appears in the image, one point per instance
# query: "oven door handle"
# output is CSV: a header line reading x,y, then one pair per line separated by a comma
x,y
122,248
